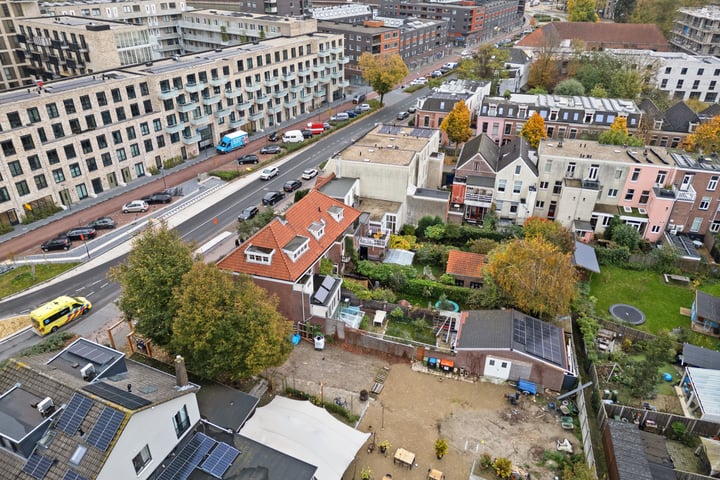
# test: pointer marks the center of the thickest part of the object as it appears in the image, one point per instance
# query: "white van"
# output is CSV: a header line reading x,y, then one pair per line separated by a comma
x,y
293,136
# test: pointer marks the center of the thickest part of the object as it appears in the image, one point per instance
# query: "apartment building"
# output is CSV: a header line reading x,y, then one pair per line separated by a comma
x,y
77,137
280,8
348,13
12,71
697,30
565,117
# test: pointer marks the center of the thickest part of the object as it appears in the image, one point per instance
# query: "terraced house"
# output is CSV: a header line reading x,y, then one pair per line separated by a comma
x,y
76,137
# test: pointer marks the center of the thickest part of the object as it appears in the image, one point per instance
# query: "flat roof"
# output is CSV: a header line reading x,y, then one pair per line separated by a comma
x,y
18,417
706,384
338,187
73,21
388,145
614,153
376,209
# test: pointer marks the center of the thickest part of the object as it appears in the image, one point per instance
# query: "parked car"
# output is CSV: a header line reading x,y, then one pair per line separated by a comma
x,y
327,126
274,137
412,109
135,206
271,198
436,74
270,149
102,223
402,115
363,107
419,81
250,158
309,174
306,133
351,113
81,233
57,243
248,213
292,185
359,98
269,173
157,197
340,117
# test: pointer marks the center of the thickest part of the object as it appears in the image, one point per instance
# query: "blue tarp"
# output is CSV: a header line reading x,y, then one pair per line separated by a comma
x,y
526,386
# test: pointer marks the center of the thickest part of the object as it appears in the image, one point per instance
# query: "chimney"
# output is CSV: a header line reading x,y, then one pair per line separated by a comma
x,y
181,376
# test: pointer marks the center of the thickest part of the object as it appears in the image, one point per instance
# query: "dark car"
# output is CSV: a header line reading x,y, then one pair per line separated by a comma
x,y
274,137
271,198
81,233
158,197
351,113
58,243
292,185
306,133
249,158
102,223
270,149
248,213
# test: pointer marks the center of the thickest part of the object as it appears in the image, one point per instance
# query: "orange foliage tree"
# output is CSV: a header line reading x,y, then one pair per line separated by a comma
x,y
706,137
551,231
534,130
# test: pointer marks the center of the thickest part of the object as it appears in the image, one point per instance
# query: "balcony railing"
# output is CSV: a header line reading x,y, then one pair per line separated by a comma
x,y
272,82
187,107
189,140
238,122
253,88
218,81
685,195
178,127
297,88
168,94
233,93
201,120
478,199
211,100
379,239
244,105
195,87
257,116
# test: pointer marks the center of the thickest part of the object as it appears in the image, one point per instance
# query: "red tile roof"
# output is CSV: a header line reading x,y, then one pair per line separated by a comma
x,y
313,208
607,35
465,264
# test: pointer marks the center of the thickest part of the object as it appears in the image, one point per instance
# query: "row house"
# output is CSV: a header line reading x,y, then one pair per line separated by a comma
x,y
670,127
565,117
76,137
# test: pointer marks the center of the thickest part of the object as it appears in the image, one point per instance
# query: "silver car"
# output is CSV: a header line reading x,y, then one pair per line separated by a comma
x,y
136,206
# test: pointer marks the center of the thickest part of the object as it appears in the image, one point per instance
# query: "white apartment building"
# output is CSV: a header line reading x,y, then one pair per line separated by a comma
x,y
77,137
696,30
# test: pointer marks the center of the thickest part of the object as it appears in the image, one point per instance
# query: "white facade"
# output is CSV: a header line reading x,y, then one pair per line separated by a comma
x,y
515,191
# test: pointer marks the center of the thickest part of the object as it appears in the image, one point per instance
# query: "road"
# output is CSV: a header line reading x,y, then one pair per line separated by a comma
x,y
90,280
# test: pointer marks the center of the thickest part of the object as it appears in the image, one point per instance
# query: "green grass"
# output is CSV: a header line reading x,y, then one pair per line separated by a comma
x,y
22,277
647,290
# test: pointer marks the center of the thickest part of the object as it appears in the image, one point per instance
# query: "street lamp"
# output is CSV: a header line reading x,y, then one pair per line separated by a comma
x,y
162,175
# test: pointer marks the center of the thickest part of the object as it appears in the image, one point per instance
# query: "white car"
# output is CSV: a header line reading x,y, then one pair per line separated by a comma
x,y
135,206
269,173
309,174
419,81
363,107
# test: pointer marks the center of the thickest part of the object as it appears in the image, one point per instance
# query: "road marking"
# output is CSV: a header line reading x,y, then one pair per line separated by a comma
x,y
104,284
95,283
24,311
91,293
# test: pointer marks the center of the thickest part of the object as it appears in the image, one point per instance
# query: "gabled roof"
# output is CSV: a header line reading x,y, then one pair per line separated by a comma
x,y
442,102
517,148
711,111
639,455
466,264
678,118
482,146
518,56
634,35
314,208
700,357
707,306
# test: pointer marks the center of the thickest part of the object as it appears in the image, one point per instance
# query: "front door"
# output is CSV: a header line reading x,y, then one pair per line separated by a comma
x,y
97,185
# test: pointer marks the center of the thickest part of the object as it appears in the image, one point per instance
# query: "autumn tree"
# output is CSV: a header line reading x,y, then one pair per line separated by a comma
x,y
550,230
544,71
535,274
619,76
618,135
534,130
705,138
154,268
581,11
457,123
227,327
383,72
487,62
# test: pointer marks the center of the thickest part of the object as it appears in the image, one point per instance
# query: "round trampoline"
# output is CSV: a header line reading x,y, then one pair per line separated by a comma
x,y
627,313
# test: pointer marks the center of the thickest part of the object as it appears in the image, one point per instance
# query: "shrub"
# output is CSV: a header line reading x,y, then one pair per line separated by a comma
x,y
38,213
447,279
431,254
383,294
485,461
5,228
503,467
613,255
226,175
397,313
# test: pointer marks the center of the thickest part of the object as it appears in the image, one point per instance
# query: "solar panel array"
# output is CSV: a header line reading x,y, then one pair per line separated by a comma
x,y
74,414
37,466
70,475
188,458
219,460
540,339
91,353
105,428
116,395
324,290
390,130
422,132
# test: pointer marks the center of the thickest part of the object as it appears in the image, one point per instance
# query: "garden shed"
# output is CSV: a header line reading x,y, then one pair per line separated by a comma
x,y
701,393
705,313
694,356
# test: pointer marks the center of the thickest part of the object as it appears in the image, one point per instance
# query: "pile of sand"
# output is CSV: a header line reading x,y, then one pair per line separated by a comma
x,y
8,326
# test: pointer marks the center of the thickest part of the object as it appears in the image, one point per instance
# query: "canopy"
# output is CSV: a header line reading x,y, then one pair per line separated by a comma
x,y
308,433
712,451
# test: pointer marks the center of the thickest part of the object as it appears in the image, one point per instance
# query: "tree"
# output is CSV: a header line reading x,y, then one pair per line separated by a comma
x,y
488,62
457,123
551,231
581,11
543,72
598,91
248,228
705,138
383,72
228,328
534,130
569,87
536,276
424,223
481,245
155,266
626,236
618,135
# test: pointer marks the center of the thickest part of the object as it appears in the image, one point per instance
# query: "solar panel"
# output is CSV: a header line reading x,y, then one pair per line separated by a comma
x,y
328,282
188,458
74,414
321,295
116,395
91,353
540,339
105,428
219,460
37,466
70,475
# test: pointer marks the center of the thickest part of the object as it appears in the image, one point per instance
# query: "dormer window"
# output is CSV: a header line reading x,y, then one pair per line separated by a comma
x,y
493,110
317,229
658,124
262,255
337,213
523,111
554,114
296,247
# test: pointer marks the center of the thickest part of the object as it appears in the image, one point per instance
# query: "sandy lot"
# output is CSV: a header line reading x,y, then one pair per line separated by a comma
x,y
416,407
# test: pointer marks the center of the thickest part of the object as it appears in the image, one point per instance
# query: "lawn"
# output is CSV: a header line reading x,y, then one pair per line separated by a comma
x,y
647,290
23,277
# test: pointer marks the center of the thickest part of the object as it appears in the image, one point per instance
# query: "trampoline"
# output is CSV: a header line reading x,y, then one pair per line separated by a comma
x,y
627,313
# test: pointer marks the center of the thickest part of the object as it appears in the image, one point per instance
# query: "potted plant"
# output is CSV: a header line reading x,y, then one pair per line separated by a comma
x,y
384,446
441,447
366,473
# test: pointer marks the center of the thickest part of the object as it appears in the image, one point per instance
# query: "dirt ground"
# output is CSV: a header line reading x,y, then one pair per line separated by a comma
x,y
416,407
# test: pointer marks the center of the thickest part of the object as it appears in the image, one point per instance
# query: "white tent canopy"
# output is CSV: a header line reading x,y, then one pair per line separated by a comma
x,y
308,433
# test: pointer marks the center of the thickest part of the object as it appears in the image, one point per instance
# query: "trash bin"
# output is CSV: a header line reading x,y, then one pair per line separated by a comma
x,y
432,362
425,361
319,342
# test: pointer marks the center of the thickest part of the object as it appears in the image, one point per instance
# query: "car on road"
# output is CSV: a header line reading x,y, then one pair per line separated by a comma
x,y
102,223
309,174
292,185
270,149
250,158
359,98
248,213
135,206
271,198
274,137
58,243
269,173
81,233
157,197
402,115
306,133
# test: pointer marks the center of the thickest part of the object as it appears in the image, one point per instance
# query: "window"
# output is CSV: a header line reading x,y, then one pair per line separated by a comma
x,y
120,113
543,185
141,460
58,131
635,175
22,188
58,175
683,71
557,189
14,119
52,110
40,181
8,148
69,106
612,193
144,129
53,157
116,96
660,179
15,168
570,170
75,170
148,145
106,159
85,102
517,186
91,164
34,162
4,195
81,191
101,98
69,151
134,150
33,115
644,196
593,172
181,421
106,118
518,169
680,83
629,194
501,185
695,227
117,137
27,142
715,226
157,125
712,184
539,204
131,133
121,155
655,229
705,203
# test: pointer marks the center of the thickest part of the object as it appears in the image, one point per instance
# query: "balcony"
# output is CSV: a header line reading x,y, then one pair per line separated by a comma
x,y
297,88
312,83
324,53
168,94
218,81
243,106
178,127
192,139
257,116
253,88
305,97
478,199
289,77
275,109
318,68
223,112
343,60
330,65
272,82
271,10
201,120
337,50
263,99
320,93
187,107
195,87
304,71
686,194
211,99
325,80
336,75
239,122
379,239
291,103
233,93
343,83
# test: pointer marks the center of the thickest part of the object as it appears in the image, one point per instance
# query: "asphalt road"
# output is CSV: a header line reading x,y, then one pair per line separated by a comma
x,y
92,281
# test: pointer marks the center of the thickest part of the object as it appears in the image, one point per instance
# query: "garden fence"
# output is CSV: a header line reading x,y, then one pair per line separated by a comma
x,y
680,475
663,421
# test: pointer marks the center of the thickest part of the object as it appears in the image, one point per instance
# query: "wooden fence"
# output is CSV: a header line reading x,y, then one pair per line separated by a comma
x,y
663,421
